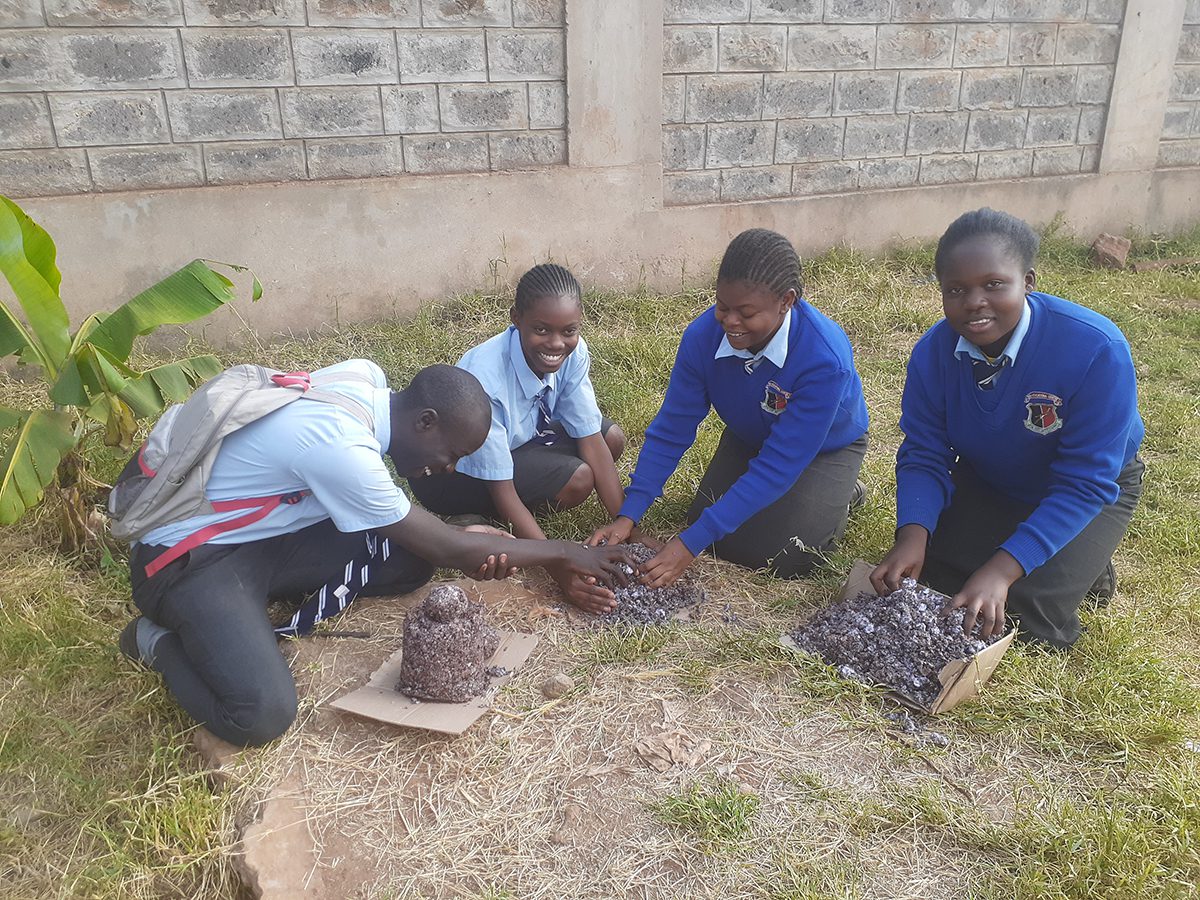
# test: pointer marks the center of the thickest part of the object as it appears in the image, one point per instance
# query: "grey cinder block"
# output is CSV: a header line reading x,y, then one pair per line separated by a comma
x,y
875,136
792,95
463,13
1006,164
831,47
981,45
528,150
824,178
753,48
538,13
804,140
218,115
103,118
689,188
237,57
1057,160
704,12
883,174
937,133
432,56
991,88
244,12
363,157
791,12
742,185
740,144
483,107
1049,127
857,10
411,109
1032,44
942,10
936,91
997,129
548,104
43,173
90,13
683,147
331,111
864,92
357,14
24,122
724,98
345,56
1087,44
146,168
446,153
525,55
249,162
689,48
948,169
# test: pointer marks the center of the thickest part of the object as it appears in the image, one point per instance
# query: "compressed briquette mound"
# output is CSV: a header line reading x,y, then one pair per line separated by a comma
x,y
447,643
900,641
640,605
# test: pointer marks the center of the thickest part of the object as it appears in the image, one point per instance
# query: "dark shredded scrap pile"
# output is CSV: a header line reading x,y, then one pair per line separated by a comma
x,y
900,641
639,605
447,643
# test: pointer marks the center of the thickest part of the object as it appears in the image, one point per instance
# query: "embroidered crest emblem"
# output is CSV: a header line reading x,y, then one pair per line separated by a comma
x,y
1041,412
775,399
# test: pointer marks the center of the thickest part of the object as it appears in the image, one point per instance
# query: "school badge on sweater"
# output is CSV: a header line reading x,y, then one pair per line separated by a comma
x,y
775,399
1041,412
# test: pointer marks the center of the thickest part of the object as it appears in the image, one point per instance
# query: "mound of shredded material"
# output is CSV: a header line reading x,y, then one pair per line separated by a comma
x,y
447,643
640,605
900,641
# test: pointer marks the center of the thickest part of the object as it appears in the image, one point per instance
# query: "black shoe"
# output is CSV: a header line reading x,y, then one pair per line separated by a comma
x,y
127,642
1103,588
859,497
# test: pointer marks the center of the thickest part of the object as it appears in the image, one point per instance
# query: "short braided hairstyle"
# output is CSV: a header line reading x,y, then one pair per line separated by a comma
x,y
1022,241
545,280
764,257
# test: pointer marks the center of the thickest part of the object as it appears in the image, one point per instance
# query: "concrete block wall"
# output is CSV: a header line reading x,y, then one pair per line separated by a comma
x,y
1180,143
148,94
772,98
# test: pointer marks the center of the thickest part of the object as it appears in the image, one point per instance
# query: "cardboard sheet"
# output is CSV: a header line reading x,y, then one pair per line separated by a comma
x,y
960,678
378,699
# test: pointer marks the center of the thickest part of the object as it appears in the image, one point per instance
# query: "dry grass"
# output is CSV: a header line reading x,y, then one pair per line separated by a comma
x,y
1069,778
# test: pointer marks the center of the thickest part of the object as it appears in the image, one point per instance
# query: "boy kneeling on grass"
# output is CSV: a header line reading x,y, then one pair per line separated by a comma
x,y
349,532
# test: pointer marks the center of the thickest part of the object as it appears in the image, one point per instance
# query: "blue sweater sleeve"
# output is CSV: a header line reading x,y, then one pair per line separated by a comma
x,y
794,441
1088,461
923,463
671,433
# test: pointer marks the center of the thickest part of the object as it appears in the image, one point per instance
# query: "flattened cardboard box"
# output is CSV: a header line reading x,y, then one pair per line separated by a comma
x,y
961,678
378,699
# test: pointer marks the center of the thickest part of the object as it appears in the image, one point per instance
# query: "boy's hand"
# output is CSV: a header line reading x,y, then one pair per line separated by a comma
x,y
904,560
605,566
616,532
667,565
589,596
495,567
985,594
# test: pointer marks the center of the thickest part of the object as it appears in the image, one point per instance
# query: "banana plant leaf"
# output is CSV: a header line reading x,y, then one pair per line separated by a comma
x,y
183,296
40,440
27,262
10,417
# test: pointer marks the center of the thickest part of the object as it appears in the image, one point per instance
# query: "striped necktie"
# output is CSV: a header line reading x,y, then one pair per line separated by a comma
x,y
986,373
544,434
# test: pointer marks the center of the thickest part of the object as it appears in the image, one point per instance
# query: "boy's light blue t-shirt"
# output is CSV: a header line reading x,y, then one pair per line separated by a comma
x,y
500,365
306,445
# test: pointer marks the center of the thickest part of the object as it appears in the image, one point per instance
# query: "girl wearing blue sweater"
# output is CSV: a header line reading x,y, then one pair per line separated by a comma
x,y
781,376
1018,473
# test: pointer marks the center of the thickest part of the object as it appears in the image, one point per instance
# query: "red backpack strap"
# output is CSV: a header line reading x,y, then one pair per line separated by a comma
x,y
259,508
301,380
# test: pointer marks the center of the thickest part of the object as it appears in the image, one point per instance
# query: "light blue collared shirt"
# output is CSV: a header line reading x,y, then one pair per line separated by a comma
x,y
500,365
312,446
1014,343
776,349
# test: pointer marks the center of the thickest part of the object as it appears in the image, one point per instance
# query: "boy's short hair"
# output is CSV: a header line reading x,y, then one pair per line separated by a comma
x,y
455,394
764,257
1022,240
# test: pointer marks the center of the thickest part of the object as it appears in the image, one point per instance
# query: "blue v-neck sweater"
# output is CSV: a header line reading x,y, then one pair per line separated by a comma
x,y
1056,430
813,404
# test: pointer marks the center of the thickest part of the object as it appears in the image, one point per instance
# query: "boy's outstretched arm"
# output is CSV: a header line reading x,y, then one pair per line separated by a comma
x,y
594,451
510,509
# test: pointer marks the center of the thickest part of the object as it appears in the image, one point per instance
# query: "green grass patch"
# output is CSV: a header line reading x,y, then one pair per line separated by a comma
x,y
719,814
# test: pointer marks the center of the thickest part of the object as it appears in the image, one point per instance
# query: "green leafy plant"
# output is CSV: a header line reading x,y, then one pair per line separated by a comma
x,y
89,382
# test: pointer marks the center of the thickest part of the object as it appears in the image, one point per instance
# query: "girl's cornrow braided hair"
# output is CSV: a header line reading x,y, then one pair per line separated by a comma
x,y
1022,240
545,280
762,256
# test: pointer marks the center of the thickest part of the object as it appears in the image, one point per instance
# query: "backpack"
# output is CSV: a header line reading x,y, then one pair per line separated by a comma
x,y
165,480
